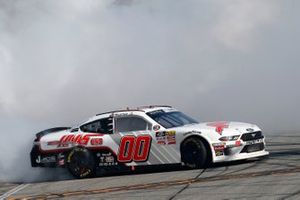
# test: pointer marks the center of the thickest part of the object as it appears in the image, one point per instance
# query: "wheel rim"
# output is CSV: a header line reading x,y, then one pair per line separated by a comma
x,y
79,164
191,153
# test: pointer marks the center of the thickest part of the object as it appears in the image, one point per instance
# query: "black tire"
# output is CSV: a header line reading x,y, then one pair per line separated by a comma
x,y
193,153
81,163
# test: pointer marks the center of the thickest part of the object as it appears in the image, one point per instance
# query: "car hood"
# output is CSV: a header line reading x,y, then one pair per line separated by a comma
x,y
224,128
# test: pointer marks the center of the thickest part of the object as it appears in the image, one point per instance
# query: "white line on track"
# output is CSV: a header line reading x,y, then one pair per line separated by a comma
x,y
13,191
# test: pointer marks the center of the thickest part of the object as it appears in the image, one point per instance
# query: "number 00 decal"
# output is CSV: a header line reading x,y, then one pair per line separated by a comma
x,y
134,148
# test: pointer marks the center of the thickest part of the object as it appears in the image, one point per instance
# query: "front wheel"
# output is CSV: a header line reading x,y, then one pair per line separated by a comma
x,y
193,153
81,163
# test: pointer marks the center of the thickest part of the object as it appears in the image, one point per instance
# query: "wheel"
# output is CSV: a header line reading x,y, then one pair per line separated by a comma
x,y
193,153
81,163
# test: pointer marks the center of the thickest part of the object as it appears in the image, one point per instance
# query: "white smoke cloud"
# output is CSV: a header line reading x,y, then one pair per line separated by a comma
x,y
63,61
240,22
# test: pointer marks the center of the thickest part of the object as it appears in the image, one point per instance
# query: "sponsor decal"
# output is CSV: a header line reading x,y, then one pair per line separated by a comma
x,y
166,137
96,141
220,126
218,146
171,137
219,153
192,132
85,172
79,139
160,137
254,142
106,159
125,114
44,160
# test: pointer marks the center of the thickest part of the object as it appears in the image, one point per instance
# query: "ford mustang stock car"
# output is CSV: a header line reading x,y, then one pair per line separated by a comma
x,y
146,136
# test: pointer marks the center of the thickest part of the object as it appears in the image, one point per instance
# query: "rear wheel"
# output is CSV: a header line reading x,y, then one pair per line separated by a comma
x,y
81,163
193,153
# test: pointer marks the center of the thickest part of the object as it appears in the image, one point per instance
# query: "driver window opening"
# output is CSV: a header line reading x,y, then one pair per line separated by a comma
x,y
132,123
99,126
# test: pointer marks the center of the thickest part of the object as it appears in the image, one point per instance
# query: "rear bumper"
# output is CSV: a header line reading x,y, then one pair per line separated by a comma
x,y
34,156
45,160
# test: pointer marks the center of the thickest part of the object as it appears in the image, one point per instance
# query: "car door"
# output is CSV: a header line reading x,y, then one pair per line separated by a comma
x,y
139,144
133,135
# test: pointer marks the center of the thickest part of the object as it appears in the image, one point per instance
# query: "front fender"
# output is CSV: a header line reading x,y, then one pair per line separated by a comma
x,y
206,140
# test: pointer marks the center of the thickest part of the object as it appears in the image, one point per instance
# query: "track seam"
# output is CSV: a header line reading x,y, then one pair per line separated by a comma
x,y
291,195
187,185
13,191
160,184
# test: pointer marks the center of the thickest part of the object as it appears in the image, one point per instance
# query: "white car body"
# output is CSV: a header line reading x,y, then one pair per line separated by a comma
x,y
227,141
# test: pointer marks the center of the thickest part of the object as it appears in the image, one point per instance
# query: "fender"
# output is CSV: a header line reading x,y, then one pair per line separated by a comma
x,y
202,137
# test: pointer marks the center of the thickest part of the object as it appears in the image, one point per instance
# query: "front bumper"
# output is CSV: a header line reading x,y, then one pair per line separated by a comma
x,y
241,156
238,150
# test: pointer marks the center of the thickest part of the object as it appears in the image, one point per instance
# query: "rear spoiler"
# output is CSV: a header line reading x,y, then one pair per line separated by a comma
x,y
48,131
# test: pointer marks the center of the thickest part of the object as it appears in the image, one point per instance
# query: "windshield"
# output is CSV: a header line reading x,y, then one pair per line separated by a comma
x,y
171,119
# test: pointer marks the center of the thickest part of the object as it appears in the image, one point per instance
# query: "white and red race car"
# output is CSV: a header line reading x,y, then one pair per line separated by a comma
x,y
151,135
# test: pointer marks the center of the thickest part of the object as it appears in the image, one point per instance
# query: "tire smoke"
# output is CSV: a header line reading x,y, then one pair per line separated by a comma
x,y
64,61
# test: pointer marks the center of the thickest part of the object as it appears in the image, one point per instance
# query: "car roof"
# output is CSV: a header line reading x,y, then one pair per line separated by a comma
x,y
141,109
144,109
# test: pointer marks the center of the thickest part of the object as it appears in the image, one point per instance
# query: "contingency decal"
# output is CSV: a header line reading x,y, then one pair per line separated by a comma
x,y
160,137
165,137
219,126
219,148
171,137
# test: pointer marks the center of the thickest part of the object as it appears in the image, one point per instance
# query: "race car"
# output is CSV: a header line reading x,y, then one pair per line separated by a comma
x,y
146,136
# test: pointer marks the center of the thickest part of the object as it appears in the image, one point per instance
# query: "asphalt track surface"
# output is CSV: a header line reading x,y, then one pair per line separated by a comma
x,y
274,177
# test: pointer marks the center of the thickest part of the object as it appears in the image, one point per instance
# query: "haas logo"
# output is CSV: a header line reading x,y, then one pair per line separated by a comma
x,y
80,140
